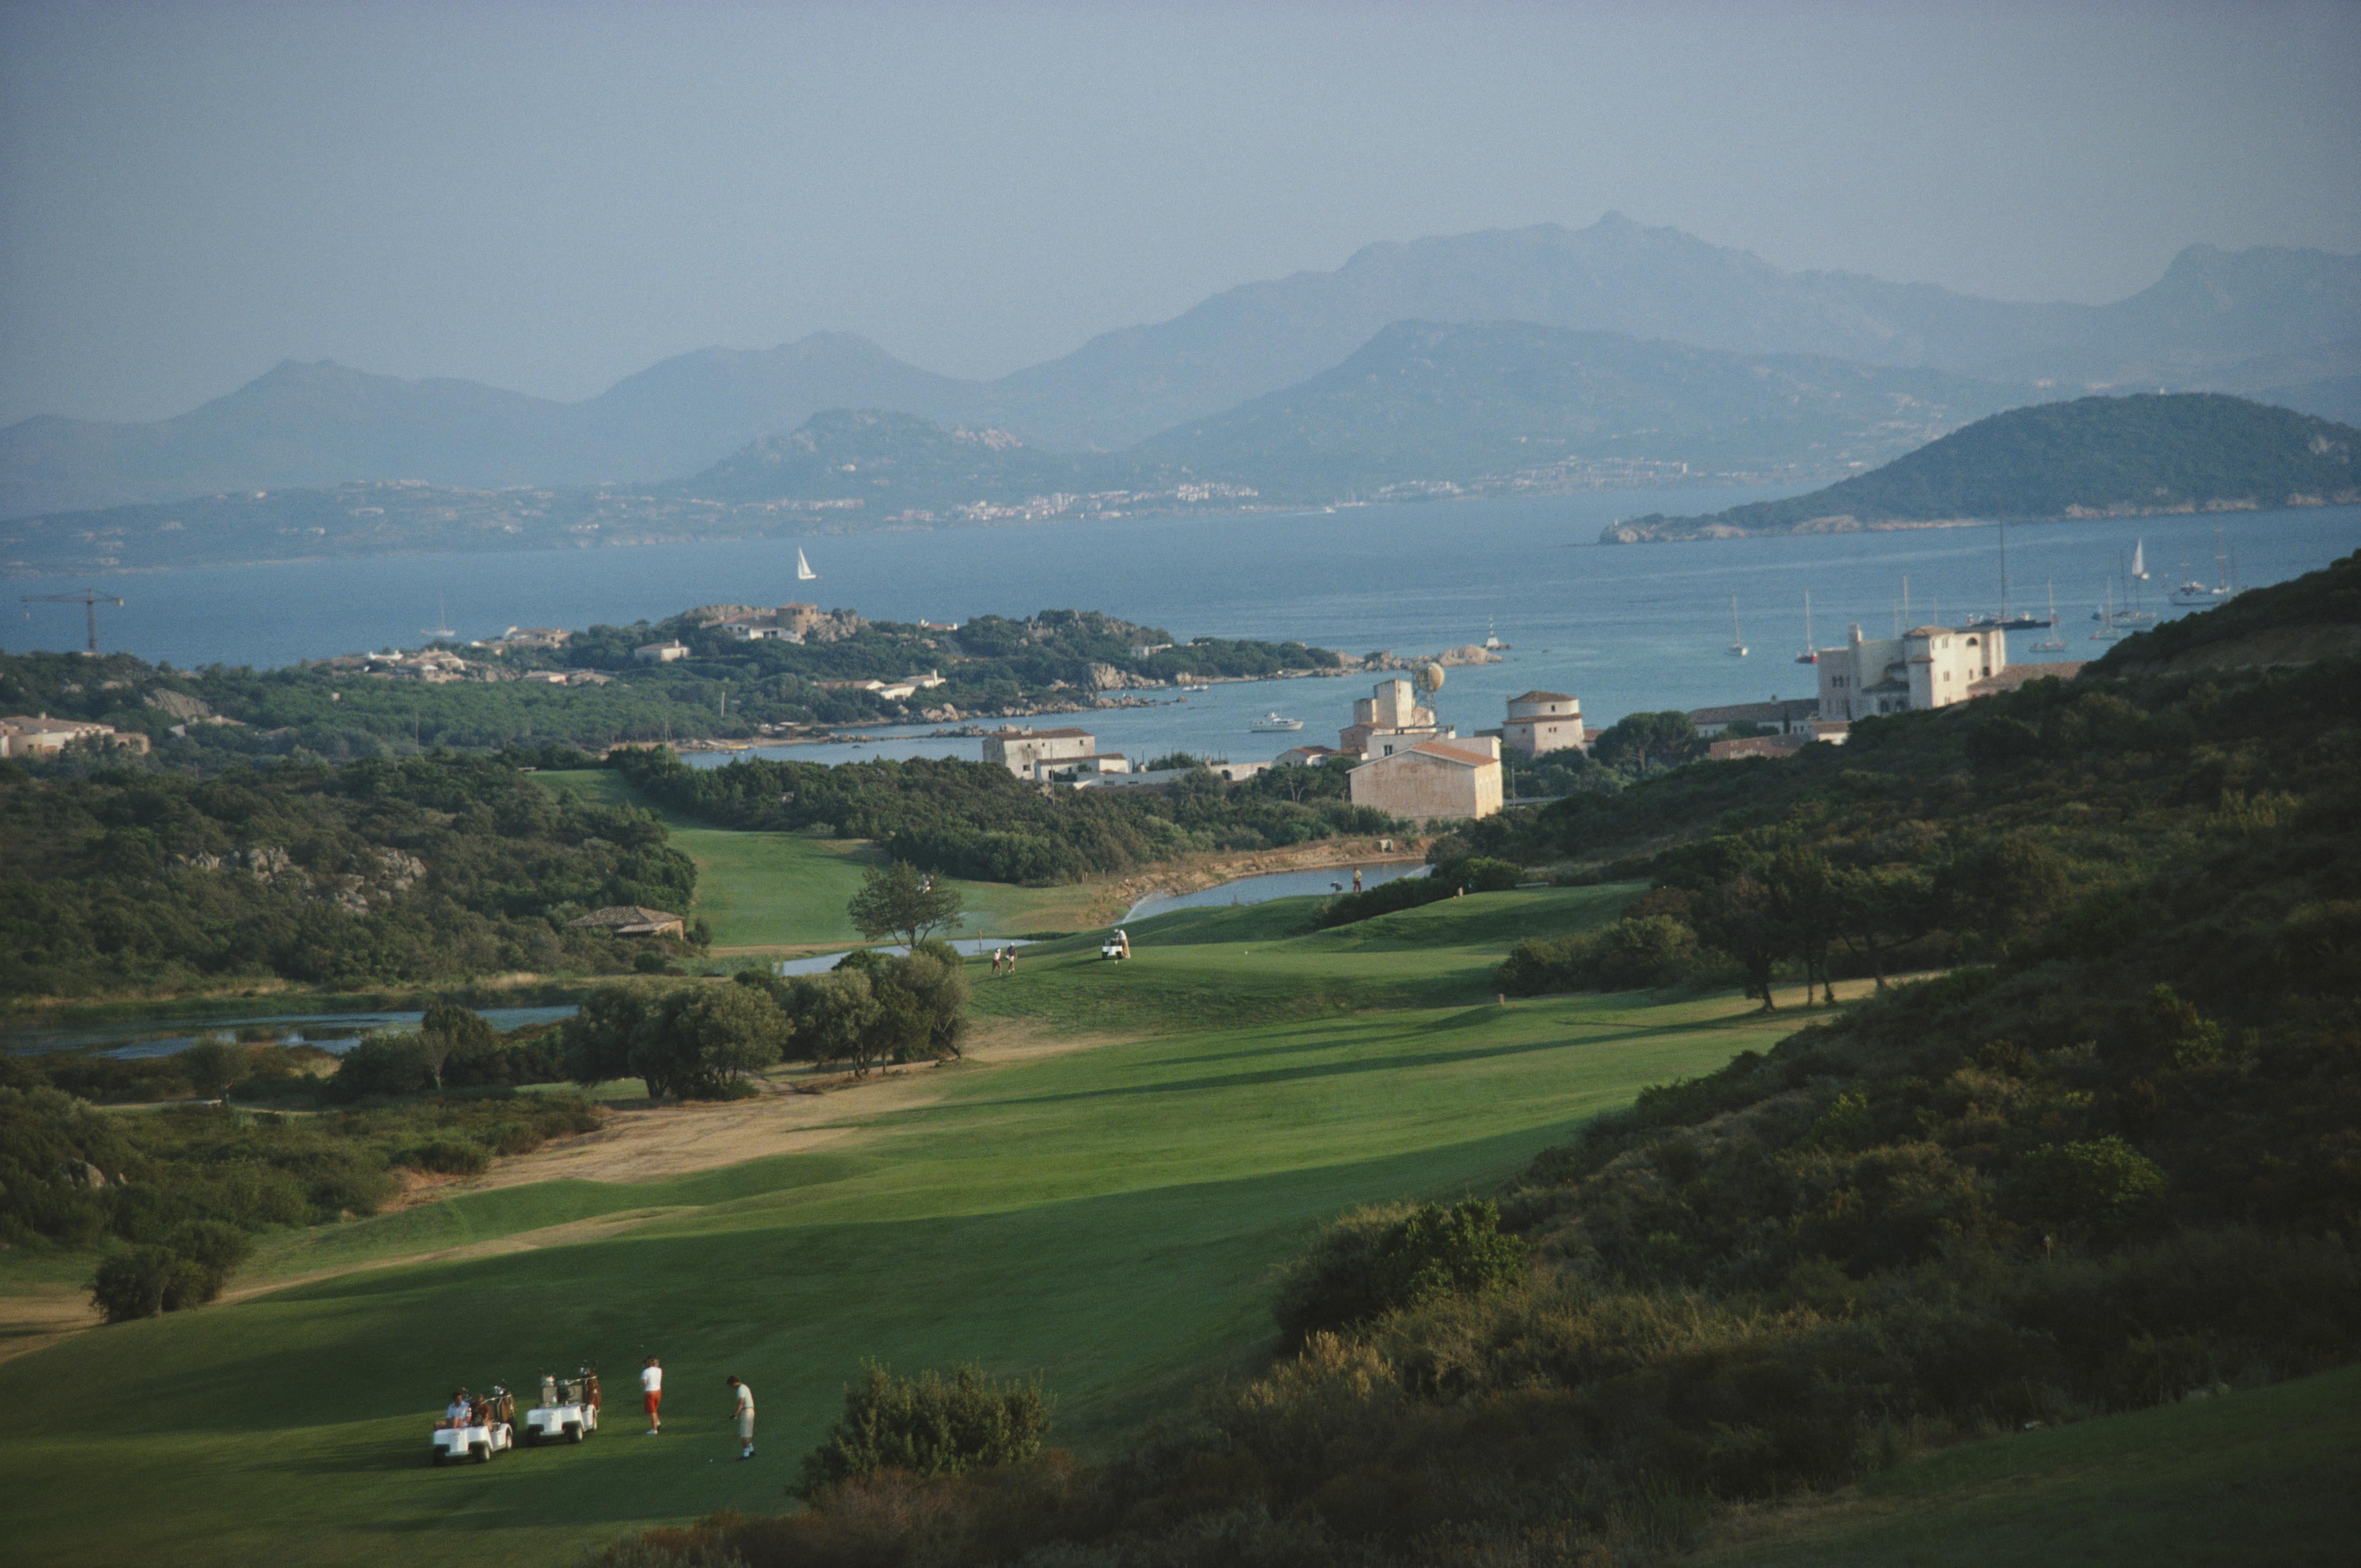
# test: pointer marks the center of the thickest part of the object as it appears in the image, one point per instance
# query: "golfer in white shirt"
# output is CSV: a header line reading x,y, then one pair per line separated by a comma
x,y
745,1413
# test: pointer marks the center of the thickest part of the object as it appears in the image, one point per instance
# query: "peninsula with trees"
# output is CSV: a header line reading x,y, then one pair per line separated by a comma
x,y
2091,457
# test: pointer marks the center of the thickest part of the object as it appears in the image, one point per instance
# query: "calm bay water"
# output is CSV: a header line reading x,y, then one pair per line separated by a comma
x,y
1622,627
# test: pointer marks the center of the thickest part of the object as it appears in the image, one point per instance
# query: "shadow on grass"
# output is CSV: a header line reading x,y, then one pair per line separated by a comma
x,y
1389,1061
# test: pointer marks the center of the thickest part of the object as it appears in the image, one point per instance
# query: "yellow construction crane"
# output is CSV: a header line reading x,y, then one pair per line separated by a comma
x,y
88,599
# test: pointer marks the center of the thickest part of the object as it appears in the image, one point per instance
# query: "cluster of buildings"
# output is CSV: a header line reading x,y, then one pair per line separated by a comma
x,y
1866,677
38,735
1405,763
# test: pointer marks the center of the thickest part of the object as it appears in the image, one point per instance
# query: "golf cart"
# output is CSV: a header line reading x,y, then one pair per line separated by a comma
x,y
569,1410
1117,945
475,1429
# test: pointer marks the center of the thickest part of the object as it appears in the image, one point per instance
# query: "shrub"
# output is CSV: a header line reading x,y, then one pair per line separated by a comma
x,y
2102,1188
147,1280
446,1156
1379,1260
927,1426
380,1066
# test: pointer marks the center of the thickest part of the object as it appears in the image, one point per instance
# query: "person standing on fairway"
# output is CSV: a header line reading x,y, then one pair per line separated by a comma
x,y
652,1386
744,1410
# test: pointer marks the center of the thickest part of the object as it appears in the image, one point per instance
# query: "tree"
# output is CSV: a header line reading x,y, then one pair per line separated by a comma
x,y
597,1038
1740,916
1642,740
1882,908
901,901
699,1043
1805,896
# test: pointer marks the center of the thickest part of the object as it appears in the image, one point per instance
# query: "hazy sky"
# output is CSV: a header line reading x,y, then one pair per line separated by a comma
x,y
549,197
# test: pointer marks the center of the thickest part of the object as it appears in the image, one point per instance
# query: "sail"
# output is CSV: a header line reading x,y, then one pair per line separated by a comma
x,y
2139,560
804,574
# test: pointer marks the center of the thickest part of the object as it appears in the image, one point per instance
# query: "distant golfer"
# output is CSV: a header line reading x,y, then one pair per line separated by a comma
x,y
1012,960
1356,879
996,962
744,1410
652,1386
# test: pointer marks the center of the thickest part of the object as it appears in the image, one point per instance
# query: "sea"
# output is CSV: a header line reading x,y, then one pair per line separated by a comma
x,y
1624,628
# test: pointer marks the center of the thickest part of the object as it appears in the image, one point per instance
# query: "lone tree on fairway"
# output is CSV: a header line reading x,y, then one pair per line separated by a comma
x,y
901,901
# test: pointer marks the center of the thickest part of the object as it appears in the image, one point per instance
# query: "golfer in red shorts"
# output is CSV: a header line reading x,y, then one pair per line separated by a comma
x,y
652,1385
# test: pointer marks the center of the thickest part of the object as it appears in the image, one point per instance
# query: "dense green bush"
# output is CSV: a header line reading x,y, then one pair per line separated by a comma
x,y
928,1425
693,1042
1384,1259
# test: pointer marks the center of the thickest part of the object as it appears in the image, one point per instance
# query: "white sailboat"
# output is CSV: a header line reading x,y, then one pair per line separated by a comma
x,y
2139,559
1737,643
1811,654
441,631
804,574
2108,630
2053,644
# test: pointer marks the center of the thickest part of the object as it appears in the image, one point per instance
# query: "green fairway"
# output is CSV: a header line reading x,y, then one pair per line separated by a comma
x,y
764,891
2268,1476
1108,1217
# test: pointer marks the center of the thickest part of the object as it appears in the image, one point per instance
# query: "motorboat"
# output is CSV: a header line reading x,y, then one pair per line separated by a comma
x,y
1275,723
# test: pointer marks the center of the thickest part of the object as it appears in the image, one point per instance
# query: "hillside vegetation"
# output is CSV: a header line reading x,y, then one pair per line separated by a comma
x,y
433,870
2107,1162
2106,456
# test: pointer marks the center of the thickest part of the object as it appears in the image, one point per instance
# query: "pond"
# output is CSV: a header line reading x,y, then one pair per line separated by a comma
x,y
1317,882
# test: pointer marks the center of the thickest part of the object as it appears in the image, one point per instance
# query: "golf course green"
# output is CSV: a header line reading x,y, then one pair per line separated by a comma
x,y
766,892
1098,1197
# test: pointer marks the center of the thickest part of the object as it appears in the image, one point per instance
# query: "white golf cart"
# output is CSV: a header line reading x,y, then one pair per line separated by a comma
x,y
1116,946
475,1429
569,1410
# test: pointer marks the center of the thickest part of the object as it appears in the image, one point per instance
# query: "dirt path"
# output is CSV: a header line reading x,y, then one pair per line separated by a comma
x,y
35,1317
641,1142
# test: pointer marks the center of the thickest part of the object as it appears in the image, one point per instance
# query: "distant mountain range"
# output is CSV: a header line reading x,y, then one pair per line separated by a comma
x,y
1426,408
2244,322
2093,456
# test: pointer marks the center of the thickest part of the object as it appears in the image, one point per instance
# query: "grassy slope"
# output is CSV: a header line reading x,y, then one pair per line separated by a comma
x,y
1108,1217
784,890
2261,1476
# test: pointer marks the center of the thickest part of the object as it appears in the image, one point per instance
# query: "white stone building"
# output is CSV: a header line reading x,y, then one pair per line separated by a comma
x,y
1430,779
1019,750
1393,709
1543,721
1931,666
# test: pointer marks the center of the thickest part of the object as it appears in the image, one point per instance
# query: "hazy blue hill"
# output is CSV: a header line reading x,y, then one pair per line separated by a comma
x,y
1422,401
2202,325
684,413
2149,452
2211,307
295,424
323,424
890,462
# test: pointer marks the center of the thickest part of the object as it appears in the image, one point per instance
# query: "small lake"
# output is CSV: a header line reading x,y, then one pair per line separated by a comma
x,y
821,963
1319,882
335,1032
